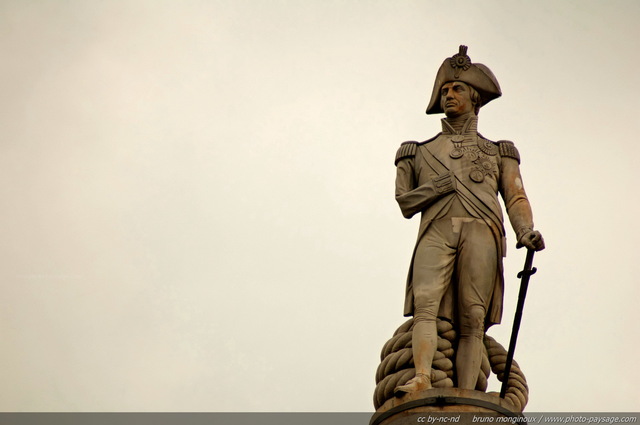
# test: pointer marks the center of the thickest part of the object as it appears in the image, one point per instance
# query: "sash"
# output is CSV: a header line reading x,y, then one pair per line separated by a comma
x,y
476,203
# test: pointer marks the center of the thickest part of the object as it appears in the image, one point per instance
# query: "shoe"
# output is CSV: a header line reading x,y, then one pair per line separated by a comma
x,y
421,382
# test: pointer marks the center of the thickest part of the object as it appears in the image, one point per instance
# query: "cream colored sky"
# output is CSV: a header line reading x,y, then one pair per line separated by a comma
x,y
198,196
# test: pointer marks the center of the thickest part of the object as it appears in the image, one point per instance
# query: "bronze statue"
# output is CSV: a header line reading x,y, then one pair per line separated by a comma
x,y
453,180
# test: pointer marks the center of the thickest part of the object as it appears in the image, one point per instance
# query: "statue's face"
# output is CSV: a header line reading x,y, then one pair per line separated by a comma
x,y
455,99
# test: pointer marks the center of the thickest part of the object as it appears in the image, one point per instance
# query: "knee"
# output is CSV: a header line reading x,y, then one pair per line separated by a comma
x,y
472,321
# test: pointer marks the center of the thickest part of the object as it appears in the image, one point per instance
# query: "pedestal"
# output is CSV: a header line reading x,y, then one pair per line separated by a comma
x,y
446,405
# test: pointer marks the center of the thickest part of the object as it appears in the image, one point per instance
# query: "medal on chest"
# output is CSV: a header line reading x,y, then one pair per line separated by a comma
x,y
479,152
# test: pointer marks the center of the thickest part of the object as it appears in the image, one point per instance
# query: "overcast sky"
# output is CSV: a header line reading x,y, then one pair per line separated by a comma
x,y
198,196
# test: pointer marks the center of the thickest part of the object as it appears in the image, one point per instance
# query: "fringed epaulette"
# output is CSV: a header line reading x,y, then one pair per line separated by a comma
x,y
406,150
508,149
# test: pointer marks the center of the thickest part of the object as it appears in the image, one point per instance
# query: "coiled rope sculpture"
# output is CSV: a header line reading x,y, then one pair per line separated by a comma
x,y
397,367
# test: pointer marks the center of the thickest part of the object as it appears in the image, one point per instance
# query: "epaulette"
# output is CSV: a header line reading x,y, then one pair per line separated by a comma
x,y
406,150
508,149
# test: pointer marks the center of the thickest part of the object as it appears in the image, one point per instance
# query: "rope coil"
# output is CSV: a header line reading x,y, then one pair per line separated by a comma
x,y
397,367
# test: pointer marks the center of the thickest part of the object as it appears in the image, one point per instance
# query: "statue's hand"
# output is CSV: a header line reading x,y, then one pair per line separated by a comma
x,y
532,240
445,183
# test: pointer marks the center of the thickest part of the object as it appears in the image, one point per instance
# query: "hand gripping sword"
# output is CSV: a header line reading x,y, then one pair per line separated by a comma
x,y
524,276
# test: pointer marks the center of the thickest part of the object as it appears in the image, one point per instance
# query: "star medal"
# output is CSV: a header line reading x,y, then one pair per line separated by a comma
x,y
472,156
487,147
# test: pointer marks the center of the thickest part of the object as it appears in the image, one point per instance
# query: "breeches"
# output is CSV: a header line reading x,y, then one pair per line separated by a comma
x,y
462,251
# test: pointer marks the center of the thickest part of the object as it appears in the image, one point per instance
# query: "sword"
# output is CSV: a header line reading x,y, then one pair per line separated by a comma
x,y
524,276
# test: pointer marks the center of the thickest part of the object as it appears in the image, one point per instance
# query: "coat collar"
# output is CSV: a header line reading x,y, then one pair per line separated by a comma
x,y
470,126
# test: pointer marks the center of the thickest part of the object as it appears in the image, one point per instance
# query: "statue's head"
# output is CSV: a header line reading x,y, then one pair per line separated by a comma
x,y
473,78
458,98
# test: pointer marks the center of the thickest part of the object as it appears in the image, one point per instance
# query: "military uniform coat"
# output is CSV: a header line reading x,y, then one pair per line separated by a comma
x,y
479,169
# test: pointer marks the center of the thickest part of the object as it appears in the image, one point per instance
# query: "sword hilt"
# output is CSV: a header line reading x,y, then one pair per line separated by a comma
x,y
527,272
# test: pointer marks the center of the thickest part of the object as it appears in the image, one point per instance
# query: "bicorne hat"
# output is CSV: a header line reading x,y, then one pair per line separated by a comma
x,y
459,68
